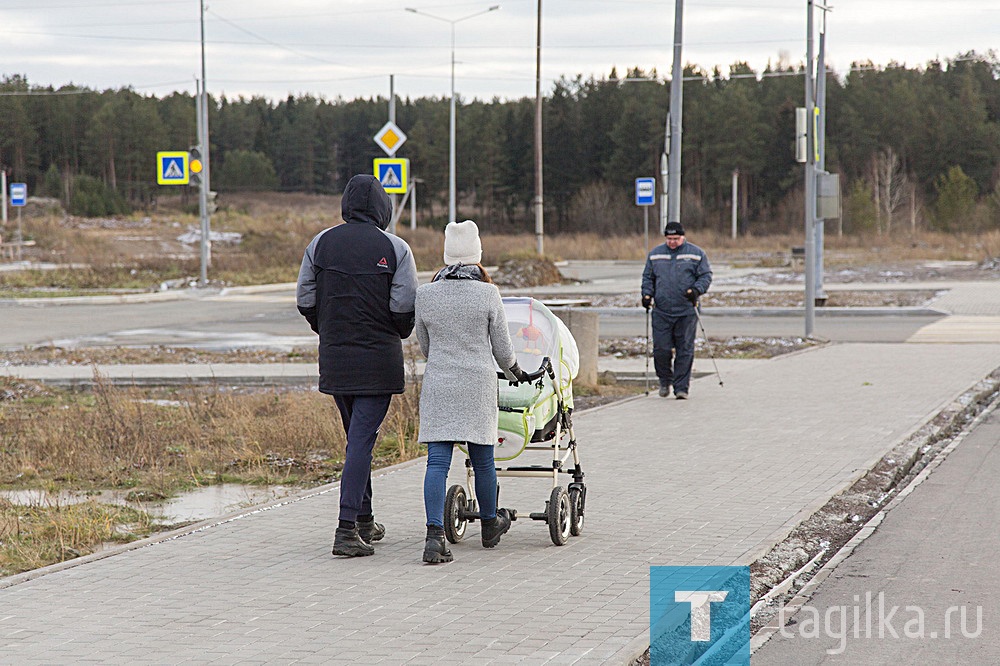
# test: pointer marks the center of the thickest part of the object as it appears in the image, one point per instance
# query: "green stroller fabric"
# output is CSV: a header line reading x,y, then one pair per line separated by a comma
x,y
528,411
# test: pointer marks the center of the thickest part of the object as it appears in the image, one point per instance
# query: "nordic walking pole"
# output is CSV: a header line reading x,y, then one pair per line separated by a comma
x,y
646,350
697,313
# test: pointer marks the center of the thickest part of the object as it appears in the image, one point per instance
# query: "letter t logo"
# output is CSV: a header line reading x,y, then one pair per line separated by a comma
x,y
701,611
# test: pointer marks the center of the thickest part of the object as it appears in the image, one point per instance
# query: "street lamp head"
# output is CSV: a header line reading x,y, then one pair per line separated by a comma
x,y
414,10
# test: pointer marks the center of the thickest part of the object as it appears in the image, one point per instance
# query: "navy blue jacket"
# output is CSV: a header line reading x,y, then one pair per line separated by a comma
x,y
670,273
356,288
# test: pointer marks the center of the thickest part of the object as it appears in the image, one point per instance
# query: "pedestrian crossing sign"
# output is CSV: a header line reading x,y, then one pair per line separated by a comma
x,y
393,174
172,167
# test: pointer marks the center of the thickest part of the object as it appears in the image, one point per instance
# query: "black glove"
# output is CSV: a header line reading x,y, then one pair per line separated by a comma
x,y
518,374
692,295
647,301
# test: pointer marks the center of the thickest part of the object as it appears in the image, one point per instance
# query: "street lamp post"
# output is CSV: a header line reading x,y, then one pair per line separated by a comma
x,y
452,190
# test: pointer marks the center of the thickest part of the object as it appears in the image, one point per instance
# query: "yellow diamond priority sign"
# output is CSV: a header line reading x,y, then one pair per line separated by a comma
x,y
390,138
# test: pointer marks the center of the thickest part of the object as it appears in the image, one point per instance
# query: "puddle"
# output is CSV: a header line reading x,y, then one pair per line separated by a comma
x,y
195,505
207,340
214,501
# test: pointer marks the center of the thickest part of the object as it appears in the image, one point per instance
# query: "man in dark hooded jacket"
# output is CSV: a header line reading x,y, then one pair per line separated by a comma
x,y
356,289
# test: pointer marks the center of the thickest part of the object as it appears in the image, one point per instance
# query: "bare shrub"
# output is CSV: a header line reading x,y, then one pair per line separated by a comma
x,y
599,208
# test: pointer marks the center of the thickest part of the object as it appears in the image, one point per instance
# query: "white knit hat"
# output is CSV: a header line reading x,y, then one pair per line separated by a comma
x,y
461,243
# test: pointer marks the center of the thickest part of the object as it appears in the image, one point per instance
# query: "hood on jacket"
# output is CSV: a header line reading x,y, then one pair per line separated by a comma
x,y
365,201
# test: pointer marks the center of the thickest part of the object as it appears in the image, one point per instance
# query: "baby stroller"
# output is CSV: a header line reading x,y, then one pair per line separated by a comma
x,y
534,416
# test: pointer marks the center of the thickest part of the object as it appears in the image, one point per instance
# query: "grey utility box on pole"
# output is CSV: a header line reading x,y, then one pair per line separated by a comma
x,y
827,195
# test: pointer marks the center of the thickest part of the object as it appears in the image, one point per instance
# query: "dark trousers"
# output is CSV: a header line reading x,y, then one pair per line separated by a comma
x,y
673,349
362,416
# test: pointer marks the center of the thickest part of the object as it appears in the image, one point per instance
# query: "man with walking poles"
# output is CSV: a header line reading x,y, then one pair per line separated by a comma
x,y
677,273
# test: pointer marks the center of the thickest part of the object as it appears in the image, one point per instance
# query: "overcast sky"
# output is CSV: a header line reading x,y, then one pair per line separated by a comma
x,y
348,48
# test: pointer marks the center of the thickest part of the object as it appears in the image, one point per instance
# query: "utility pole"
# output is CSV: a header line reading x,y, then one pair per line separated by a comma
x,y
674,120
810,181
664,178
201,111
821,148
736,190
539,198
413,202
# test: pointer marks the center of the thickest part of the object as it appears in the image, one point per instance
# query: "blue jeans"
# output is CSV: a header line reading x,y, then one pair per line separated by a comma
x,y
436,478
362,416
674,334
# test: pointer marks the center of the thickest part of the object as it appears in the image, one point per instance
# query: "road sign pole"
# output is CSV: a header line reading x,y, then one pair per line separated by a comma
x,y
392,119
645,215
3,188
20,235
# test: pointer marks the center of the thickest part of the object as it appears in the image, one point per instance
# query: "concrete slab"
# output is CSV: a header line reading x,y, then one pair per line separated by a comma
x,y
960,328
716,479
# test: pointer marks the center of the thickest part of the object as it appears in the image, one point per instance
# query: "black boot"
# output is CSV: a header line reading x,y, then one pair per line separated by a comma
x,y
369,530
495,528
435,549
347,541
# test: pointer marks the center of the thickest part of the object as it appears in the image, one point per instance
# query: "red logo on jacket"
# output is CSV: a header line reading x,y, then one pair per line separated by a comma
x,y
382,263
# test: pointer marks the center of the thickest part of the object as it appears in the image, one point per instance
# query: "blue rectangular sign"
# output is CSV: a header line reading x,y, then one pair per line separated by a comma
x,y
18,194
645,191
699,615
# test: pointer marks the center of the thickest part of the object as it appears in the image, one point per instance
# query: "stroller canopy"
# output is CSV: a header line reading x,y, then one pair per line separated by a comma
x,y
537,333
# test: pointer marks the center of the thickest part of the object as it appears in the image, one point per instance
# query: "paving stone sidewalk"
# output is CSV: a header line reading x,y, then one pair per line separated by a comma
x,y
713,480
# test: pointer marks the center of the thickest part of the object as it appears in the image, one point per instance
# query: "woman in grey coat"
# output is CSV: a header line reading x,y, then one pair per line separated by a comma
x,y
462,329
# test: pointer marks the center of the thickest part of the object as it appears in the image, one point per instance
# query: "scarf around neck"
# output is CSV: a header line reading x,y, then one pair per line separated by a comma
x,y
459,272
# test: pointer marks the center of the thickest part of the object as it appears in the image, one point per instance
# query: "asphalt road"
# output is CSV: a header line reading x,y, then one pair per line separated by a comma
x,y
267,317
214,321
839,327
933,560
270,320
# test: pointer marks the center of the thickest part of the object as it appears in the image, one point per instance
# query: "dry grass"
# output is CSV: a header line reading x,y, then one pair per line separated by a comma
x,y
141,252
48,355
123,438
35,536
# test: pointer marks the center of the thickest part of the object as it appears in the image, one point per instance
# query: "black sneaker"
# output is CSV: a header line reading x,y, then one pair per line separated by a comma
x,y
681,395
347,542
495,528
664,391
436,550
370,531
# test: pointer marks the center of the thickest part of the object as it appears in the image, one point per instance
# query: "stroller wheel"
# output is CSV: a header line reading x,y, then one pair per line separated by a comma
x,y
575,511
454,504
559,516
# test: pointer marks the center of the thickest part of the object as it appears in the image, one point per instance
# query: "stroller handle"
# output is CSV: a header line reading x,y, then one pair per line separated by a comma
x,y
545,367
